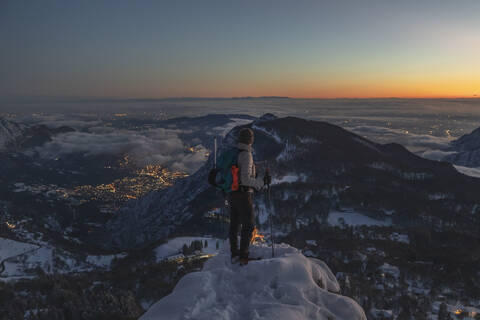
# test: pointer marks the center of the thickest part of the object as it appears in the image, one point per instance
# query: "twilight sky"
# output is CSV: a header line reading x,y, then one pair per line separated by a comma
x,y
201,48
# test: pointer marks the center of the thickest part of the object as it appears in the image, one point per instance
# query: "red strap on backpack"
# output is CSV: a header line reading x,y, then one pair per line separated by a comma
x,y
235,182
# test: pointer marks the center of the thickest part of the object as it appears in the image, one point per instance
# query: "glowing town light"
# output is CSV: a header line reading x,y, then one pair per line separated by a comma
x,y
9,225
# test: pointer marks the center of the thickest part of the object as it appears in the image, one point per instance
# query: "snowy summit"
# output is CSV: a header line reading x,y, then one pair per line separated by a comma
x,y
289,286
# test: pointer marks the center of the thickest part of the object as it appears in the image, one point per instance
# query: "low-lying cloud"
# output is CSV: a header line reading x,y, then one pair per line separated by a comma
x,y
412,141
155,146
436,154
54,120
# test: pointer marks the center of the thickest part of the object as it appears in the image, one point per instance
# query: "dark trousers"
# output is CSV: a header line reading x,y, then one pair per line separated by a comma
x,y
241,213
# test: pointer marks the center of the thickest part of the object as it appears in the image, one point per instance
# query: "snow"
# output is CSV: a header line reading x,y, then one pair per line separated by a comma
x,y
400,237
289,178
389,212
262,214
289,286
9,132
16,266
472,172
386,314
174,246
20,258
289,152
412,176
104,261
389,269
308,140
272,134
440,196
234,122
10,248
353,218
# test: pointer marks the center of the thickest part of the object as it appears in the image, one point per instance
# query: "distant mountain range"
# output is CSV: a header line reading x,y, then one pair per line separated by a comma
x,y
317,167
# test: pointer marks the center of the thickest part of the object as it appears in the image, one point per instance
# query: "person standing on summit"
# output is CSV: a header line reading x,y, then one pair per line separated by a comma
x,y
241,201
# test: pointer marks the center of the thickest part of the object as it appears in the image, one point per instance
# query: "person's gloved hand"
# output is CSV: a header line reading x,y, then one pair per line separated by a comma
x,y
267,179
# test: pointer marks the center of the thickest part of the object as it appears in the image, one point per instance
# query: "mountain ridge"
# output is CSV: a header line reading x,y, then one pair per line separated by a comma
x,y
331,165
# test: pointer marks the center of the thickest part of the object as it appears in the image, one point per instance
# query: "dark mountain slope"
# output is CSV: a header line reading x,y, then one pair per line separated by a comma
x,y
317,167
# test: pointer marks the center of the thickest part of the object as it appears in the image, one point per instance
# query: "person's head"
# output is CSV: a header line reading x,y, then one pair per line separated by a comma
x,y
246,136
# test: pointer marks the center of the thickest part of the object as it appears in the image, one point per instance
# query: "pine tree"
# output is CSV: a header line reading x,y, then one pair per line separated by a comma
x,y
405,315
185,249
206,244
443,312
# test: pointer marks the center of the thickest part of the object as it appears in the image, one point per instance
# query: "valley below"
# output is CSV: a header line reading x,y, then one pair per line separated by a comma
x,y
94,235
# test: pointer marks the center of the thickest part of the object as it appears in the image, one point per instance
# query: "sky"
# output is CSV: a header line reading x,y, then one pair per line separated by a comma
x,y
315,49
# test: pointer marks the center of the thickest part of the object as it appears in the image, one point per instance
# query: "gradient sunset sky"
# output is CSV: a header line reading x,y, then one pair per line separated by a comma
x,y
157,49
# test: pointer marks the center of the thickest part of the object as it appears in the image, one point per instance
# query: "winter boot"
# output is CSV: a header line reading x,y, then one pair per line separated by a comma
x,y
243,261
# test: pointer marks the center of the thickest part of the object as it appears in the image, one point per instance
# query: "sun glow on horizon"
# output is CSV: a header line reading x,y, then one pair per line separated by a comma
x,y
319,49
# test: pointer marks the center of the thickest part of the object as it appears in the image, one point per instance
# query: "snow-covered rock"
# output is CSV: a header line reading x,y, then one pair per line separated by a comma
x,y
10,132
466,150
289,286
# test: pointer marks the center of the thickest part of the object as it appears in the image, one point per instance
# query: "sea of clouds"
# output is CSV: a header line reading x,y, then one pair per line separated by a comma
x,y
420,126
161,146
426,145
155,146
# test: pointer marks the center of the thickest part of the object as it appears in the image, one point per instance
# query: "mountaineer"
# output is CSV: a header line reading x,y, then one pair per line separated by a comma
x,y
238,179
241,201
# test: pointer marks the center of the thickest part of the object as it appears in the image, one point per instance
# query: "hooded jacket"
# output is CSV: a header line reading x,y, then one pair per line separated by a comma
x,y
247,167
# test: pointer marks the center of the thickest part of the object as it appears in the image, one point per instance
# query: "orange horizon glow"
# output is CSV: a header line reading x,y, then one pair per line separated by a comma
x,y
320,49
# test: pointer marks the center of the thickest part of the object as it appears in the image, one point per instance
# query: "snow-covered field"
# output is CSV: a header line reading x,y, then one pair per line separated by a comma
x,y
174,246
10,248
19,259
289,286
352,218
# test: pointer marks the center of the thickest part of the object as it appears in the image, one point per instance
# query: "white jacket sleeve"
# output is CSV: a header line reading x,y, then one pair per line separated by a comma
x,y
247,178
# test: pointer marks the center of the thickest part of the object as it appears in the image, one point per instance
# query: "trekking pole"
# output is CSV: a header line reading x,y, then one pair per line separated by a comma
x,y
215,152
268,200
222,223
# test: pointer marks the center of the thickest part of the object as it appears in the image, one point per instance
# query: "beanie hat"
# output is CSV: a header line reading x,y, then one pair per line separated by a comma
x,y
246,136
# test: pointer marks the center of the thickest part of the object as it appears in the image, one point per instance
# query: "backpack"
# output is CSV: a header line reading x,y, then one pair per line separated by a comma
x,y
225,176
